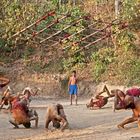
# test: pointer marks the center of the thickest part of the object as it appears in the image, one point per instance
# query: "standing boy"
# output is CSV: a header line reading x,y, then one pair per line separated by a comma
x,y
72,87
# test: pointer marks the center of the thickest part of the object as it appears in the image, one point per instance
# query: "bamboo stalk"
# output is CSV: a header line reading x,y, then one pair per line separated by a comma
x,y
61,30
30,36
26,28
74,34
92,43
84,38
50,25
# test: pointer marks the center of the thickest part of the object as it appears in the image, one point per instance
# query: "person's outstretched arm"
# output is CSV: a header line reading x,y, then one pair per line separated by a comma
x,y
63,120
36,92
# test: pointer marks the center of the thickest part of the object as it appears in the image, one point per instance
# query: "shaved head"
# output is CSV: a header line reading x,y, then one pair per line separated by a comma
x,y
56,124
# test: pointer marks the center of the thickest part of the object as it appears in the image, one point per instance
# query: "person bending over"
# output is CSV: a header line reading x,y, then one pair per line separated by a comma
x,y
56,115
120,97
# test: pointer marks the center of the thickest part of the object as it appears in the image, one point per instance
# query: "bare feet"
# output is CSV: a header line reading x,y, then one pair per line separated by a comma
x,y
16,127
114,110
139,124
120,126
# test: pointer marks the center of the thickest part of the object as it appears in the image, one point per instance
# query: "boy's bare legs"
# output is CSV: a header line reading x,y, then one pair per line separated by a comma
x,y
104,90
108,92
76,98
13,123
127,121
70,99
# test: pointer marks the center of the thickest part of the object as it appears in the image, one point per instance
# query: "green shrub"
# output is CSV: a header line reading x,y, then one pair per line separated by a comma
x,y
132,71
101,59
77,59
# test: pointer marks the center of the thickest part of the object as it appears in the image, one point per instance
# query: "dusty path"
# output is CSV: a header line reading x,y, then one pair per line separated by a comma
x,y
84,124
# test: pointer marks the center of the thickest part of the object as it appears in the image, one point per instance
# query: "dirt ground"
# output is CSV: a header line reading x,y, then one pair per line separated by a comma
x,y
84,124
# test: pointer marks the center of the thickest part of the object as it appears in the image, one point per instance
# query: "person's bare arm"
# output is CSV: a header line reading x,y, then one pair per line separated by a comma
x,y
2,102
64,121
61,111
35,118
36,92
69,83
47,121
1,105
5,92
20,95
32,93
5,81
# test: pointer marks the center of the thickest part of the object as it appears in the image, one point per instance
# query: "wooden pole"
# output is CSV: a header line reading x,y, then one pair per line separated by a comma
x,y
117,8
50,25
92,43
73,34
88,36
47,15
61,30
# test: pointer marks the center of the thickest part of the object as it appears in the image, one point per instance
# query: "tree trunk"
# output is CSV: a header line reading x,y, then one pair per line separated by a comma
x,y
117,8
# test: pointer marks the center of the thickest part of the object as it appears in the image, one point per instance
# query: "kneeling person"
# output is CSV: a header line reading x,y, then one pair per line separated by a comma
x,y
20,113
56,115
134,104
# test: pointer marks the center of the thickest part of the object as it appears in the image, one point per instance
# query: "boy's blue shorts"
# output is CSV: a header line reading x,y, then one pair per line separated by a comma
x,y
73,89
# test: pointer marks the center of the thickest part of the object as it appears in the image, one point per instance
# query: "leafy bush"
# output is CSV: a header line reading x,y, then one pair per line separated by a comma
x,y
132,71
77,59
101,59
127,39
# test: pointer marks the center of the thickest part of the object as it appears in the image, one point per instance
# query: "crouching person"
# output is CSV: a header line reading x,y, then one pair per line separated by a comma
x,y
56,115
132,103
25,121
20,113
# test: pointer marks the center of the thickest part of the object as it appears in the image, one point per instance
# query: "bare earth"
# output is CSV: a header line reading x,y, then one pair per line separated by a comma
x,y
84,124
